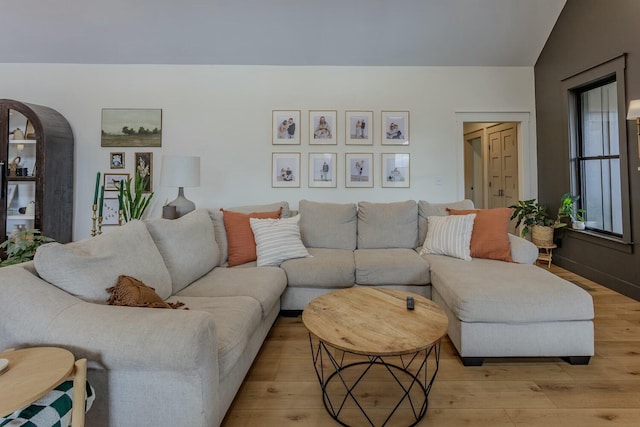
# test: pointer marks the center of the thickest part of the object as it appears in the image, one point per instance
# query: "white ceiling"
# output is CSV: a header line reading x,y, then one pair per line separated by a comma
x,y
278,32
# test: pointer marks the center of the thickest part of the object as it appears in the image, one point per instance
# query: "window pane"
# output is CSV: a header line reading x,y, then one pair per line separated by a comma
x,y
599,112
601,195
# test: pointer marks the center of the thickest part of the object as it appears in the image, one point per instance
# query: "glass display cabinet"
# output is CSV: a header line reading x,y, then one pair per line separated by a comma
x,y
36,171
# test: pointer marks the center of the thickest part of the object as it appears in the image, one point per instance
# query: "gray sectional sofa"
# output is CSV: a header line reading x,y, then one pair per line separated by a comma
x,y
178,367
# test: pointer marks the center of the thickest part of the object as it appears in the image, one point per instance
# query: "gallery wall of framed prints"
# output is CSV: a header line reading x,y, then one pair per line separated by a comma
x,y
353,160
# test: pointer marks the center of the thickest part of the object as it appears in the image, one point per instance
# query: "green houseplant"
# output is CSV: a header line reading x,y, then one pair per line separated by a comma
x,y
22,247
569,209
134,201
535,218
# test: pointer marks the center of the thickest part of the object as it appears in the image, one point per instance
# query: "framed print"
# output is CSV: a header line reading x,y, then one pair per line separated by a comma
x,y
131,127
395,127
285,170
285,127
358,170
110,211
323,127
111,180
322,169
144,168
359,127
116,160
395,170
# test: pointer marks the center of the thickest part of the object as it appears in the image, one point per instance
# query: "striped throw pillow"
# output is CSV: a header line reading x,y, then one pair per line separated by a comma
x,y
449,235
277,240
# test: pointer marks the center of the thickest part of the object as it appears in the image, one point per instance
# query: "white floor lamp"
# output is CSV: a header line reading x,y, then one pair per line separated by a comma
x,y
181,171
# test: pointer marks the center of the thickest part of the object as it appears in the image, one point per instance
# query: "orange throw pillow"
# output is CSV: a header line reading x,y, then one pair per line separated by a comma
x,y
240,240
490,236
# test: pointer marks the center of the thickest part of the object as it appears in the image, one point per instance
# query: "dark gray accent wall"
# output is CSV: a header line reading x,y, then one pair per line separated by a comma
x,y
588,33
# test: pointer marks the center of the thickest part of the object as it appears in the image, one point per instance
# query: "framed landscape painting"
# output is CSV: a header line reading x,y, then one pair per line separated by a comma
x,y
131,127
358,169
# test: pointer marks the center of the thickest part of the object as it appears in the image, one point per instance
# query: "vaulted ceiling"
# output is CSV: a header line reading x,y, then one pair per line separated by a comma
x,y
277,32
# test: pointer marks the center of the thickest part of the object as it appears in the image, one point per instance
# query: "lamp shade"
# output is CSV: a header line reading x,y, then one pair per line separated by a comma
x,y
180,171
634,110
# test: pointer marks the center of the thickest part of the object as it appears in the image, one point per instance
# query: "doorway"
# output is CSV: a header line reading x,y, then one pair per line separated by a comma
x,y
491,164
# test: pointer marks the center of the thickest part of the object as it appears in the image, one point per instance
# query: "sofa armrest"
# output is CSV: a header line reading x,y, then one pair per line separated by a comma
x,y
35,312
522,250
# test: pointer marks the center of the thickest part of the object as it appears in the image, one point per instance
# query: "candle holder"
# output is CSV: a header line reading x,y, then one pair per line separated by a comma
x,y
120,217
99,225
94,217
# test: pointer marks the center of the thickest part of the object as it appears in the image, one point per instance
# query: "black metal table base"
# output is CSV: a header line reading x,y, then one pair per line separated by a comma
x,y
343,378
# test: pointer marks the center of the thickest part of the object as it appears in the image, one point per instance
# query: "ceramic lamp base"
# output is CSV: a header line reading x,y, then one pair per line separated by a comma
x,y
182,204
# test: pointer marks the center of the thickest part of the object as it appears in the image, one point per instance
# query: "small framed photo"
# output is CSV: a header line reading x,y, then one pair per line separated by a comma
x,y
285,127
285,170
116,160
112,180
110,208
322,169
395,170
359,127
358,169
144,168
395,127
323,127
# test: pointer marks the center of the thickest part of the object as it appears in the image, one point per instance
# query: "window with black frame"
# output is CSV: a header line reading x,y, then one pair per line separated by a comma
x,y
596,155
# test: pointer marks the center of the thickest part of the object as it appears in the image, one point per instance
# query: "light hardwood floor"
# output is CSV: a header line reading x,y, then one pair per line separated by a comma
x,y
281,388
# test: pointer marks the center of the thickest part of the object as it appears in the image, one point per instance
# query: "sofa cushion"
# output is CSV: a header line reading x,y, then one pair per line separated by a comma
x,y
240,239
490,235
187,245
264,284
427,209
397,266
131,292
236,318
486,290
277,240
218,222
449,235
387,225
522,250
328,225
88,267
327,268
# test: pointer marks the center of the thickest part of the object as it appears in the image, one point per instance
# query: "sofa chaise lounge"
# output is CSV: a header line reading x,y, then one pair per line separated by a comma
x,y
184,367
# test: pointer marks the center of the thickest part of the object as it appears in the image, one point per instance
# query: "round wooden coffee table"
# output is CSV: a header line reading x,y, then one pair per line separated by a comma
x,y
361,338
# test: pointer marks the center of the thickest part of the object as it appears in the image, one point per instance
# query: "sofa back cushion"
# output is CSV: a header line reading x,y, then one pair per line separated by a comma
x,y
218,222
187,245
328,225
426,209
387,225
88,267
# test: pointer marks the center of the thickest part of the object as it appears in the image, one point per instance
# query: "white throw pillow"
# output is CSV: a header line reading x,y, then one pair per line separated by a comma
x,y
277,240
449,235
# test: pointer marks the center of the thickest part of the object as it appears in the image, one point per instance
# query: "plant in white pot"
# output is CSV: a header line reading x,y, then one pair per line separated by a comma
x,y
535,218
569,209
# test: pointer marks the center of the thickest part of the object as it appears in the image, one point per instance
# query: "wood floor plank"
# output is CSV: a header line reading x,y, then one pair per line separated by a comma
x,y
281,389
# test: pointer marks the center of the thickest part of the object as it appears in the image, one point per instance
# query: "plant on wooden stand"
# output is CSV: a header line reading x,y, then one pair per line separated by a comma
x,y
535,218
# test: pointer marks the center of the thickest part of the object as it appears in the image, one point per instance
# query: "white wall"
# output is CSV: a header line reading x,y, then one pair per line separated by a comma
x,y
223,114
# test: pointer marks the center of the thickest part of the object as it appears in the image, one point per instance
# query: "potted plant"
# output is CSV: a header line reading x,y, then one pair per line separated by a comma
x,y
535,218
22,247
568,209
134,202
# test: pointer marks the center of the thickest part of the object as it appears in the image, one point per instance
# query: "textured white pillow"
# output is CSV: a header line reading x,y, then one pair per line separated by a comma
x,y
449,235
277,240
